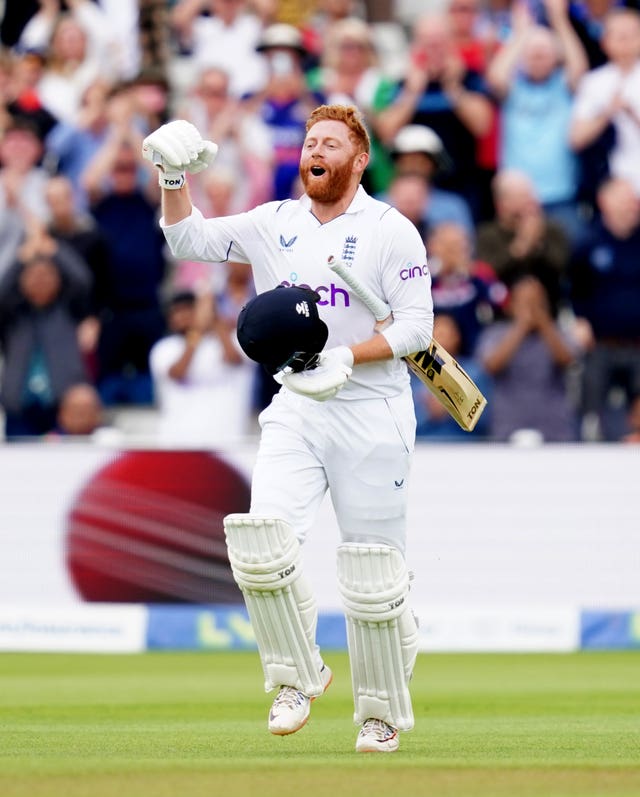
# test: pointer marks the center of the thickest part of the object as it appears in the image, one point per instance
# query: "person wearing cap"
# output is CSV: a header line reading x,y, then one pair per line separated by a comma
x,y
343,422
417,152
284,103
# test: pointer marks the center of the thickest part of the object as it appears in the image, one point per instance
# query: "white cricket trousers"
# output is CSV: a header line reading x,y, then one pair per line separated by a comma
x,y
359,449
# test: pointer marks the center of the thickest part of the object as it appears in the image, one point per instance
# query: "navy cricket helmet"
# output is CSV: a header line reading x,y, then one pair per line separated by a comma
x,y
282,327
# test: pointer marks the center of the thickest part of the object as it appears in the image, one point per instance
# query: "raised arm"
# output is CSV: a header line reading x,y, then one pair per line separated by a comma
x,y
587,129
401,111
503,64
575,57
176,148
176,205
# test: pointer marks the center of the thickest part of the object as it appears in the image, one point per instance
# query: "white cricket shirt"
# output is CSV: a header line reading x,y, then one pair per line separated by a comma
x,y
287,245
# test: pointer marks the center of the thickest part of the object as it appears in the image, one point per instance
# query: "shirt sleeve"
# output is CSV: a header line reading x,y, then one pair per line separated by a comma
x,y
589,99
406,285
209,240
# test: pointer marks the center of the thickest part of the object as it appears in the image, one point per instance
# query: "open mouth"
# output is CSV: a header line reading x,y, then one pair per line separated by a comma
x,y
317,171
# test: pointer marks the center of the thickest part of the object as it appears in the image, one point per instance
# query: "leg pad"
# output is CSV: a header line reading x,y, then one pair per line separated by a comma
x,y
382,632
265,560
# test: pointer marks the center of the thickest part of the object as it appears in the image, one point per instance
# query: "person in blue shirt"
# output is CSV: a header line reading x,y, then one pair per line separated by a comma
x,y
285,103
534,77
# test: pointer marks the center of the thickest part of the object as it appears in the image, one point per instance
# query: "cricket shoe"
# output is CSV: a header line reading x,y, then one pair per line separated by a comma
x,y
377,736
291,708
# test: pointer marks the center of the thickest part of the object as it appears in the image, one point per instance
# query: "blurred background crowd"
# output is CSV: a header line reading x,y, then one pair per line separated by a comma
x,y
508,131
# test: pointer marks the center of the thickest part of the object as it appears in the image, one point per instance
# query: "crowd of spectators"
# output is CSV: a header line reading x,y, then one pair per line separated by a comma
x,y
507,131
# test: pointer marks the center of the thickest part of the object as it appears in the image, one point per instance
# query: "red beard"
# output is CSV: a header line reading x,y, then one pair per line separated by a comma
x,y
329,188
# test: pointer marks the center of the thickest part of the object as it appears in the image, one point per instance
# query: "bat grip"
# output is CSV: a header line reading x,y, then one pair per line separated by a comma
x,y
379,308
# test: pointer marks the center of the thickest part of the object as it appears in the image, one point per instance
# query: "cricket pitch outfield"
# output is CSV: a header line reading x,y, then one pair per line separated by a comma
x,y
194,724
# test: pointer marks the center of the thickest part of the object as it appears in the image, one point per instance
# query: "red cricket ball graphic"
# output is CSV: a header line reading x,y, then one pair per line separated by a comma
x,y
148,528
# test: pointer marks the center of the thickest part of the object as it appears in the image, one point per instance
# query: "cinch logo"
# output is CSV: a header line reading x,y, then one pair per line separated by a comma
x,y
412,271
287,244
330,295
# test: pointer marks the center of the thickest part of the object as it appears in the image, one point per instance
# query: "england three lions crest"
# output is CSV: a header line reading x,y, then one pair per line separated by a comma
x,y
349,249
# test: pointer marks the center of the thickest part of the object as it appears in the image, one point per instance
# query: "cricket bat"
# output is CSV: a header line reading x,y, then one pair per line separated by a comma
x,y
439,370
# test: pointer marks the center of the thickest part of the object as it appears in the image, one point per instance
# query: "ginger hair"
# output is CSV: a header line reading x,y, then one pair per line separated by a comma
x,y
351,117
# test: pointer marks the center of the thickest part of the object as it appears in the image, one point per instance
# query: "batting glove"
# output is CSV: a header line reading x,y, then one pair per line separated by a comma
x,y
175,148
324,380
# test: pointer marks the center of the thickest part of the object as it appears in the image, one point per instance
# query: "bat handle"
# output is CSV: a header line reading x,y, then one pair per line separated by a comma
x,y
379,308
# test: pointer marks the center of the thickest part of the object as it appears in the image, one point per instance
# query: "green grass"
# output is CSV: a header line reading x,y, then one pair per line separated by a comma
x,y
194,724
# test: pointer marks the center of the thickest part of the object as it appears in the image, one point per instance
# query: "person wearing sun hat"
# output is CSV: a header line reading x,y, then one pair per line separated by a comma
x,y
284,103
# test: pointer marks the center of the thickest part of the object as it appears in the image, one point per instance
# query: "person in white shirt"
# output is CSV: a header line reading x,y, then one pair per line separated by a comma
x,y
202,381
346,425
608,97
222,33
81,46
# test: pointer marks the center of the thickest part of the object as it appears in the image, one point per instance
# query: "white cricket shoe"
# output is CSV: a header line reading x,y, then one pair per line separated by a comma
x,y
290,710
377,736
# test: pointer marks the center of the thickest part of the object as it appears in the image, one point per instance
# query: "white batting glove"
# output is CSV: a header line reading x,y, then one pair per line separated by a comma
x,y
325,380
175,148
205,158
